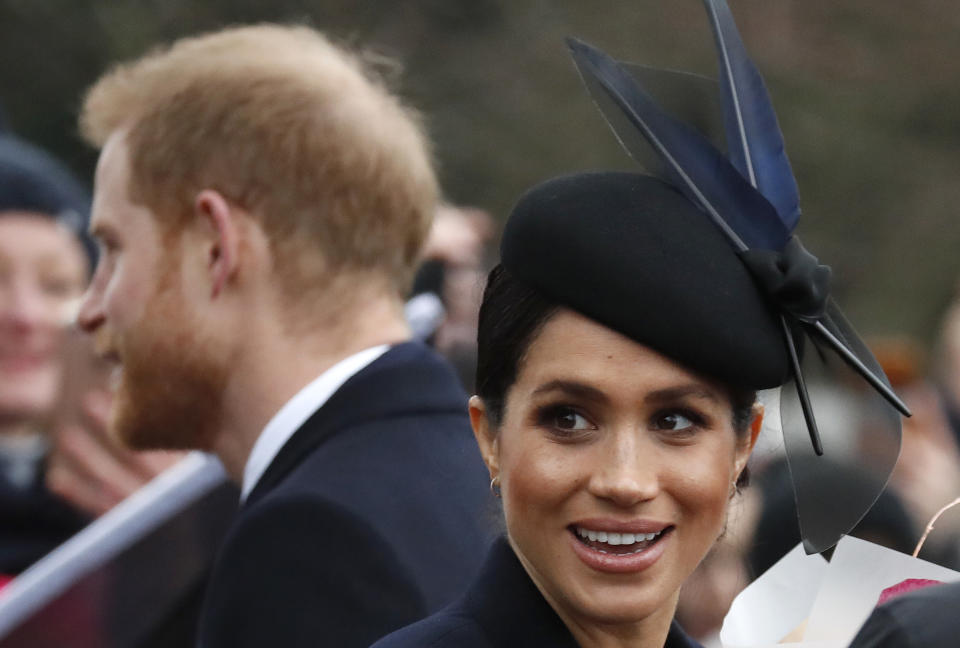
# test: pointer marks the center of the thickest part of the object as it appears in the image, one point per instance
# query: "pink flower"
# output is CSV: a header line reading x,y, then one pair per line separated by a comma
x,y
903,587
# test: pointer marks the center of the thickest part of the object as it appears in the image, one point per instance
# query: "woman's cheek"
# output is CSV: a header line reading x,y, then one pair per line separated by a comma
x,y
704,480
536,475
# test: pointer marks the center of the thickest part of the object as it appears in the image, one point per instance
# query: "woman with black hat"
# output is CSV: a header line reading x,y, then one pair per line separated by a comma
x,y
615,462
621,344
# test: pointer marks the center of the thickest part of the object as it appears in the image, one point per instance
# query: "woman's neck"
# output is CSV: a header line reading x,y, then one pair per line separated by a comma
x,y
18,428
649,632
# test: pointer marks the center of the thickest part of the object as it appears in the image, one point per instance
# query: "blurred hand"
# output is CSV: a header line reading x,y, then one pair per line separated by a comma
x,y
90,469
927,474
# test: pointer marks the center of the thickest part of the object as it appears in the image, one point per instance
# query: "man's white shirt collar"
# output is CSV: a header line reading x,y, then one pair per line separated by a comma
x,y
297,410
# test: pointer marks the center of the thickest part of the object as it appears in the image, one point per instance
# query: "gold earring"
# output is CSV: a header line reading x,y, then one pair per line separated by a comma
x,y
495,486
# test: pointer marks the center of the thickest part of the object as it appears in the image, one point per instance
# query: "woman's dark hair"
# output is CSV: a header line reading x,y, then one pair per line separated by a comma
x,y
511,316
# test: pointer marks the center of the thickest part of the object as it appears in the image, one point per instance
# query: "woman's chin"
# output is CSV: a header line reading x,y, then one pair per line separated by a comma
x,y
613,606
21,405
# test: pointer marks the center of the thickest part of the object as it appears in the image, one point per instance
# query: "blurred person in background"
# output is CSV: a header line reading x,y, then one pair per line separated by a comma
x,y
261,200
707,594
45,262
925,478
887,523
924,618
927,474
454,268
947,366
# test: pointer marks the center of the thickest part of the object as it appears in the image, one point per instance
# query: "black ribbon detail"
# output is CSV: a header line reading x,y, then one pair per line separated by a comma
x,y
795,279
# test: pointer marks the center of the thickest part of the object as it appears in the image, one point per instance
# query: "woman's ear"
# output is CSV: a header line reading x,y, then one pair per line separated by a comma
x,y
746,447
485,434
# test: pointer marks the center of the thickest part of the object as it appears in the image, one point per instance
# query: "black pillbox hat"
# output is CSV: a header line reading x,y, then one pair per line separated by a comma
x,y
632,253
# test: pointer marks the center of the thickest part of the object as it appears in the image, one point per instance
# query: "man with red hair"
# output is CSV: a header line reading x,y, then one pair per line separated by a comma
x,y
261,200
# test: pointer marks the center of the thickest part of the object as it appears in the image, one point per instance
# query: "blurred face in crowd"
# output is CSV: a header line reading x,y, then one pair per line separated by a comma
x,y
616,466
169,378
43,271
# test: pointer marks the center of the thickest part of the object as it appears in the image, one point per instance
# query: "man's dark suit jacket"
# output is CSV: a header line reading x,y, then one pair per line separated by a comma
x,y
370,517
927,618
502,609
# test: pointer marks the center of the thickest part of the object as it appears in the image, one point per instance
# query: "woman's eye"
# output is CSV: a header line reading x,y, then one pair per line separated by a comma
x,y
59,287
673,421
565,419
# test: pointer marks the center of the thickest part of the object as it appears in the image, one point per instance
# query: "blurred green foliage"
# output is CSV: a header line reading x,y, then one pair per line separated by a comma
x,y
868,95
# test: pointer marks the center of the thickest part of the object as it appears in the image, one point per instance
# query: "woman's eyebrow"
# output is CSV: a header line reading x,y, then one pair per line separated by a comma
x,y
572,388
681,391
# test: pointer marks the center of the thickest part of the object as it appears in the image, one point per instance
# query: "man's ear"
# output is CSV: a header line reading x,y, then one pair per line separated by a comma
x,y
486,435
746,447
222,247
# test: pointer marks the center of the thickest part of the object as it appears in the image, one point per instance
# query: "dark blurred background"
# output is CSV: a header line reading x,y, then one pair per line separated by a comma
x,y
868,96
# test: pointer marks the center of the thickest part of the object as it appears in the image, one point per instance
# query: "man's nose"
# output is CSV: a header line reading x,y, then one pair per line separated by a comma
x,y
91,316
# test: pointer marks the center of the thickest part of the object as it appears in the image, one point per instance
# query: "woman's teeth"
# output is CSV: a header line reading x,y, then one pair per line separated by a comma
x,y
617,543
615,539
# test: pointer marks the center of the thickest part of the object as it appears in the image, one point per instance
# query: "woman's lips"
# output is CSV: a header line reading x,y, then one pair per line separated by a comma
x,y
614,551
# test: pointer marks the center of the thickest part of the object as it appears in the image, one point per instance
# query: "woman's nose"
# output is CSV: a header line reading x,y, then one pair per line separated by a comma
x,y
24,306
626,472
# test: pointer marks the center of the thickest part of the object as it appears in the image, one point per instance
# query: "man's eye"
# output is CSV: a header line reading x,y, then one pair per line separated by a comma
x,y
673,421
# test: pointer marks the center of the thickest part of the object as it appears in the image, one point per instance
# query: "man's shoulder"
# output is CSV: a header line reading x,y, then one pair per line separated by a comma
x,y
409,378
289,524
400,412
399,473
417,481
292,552
400,422
413,363
381,490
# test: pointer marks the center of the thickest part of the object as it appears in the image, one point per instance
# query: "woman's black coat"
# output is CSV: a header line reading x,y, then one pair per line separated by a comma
x,y
502,609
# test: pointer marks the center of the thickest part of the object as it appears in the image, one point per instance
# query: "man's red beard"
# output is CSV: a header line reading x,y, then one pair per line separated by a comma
x,y
172,388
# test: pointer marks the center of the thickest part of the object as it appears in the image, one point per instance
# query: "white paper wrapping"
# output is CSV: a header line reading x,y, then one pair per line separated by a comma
x,y
833,598
776,603
859,572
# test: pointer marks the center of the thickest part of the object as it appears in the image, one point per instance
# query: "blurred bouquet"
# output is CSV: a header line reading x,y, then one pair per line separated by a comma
x,y
805,602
